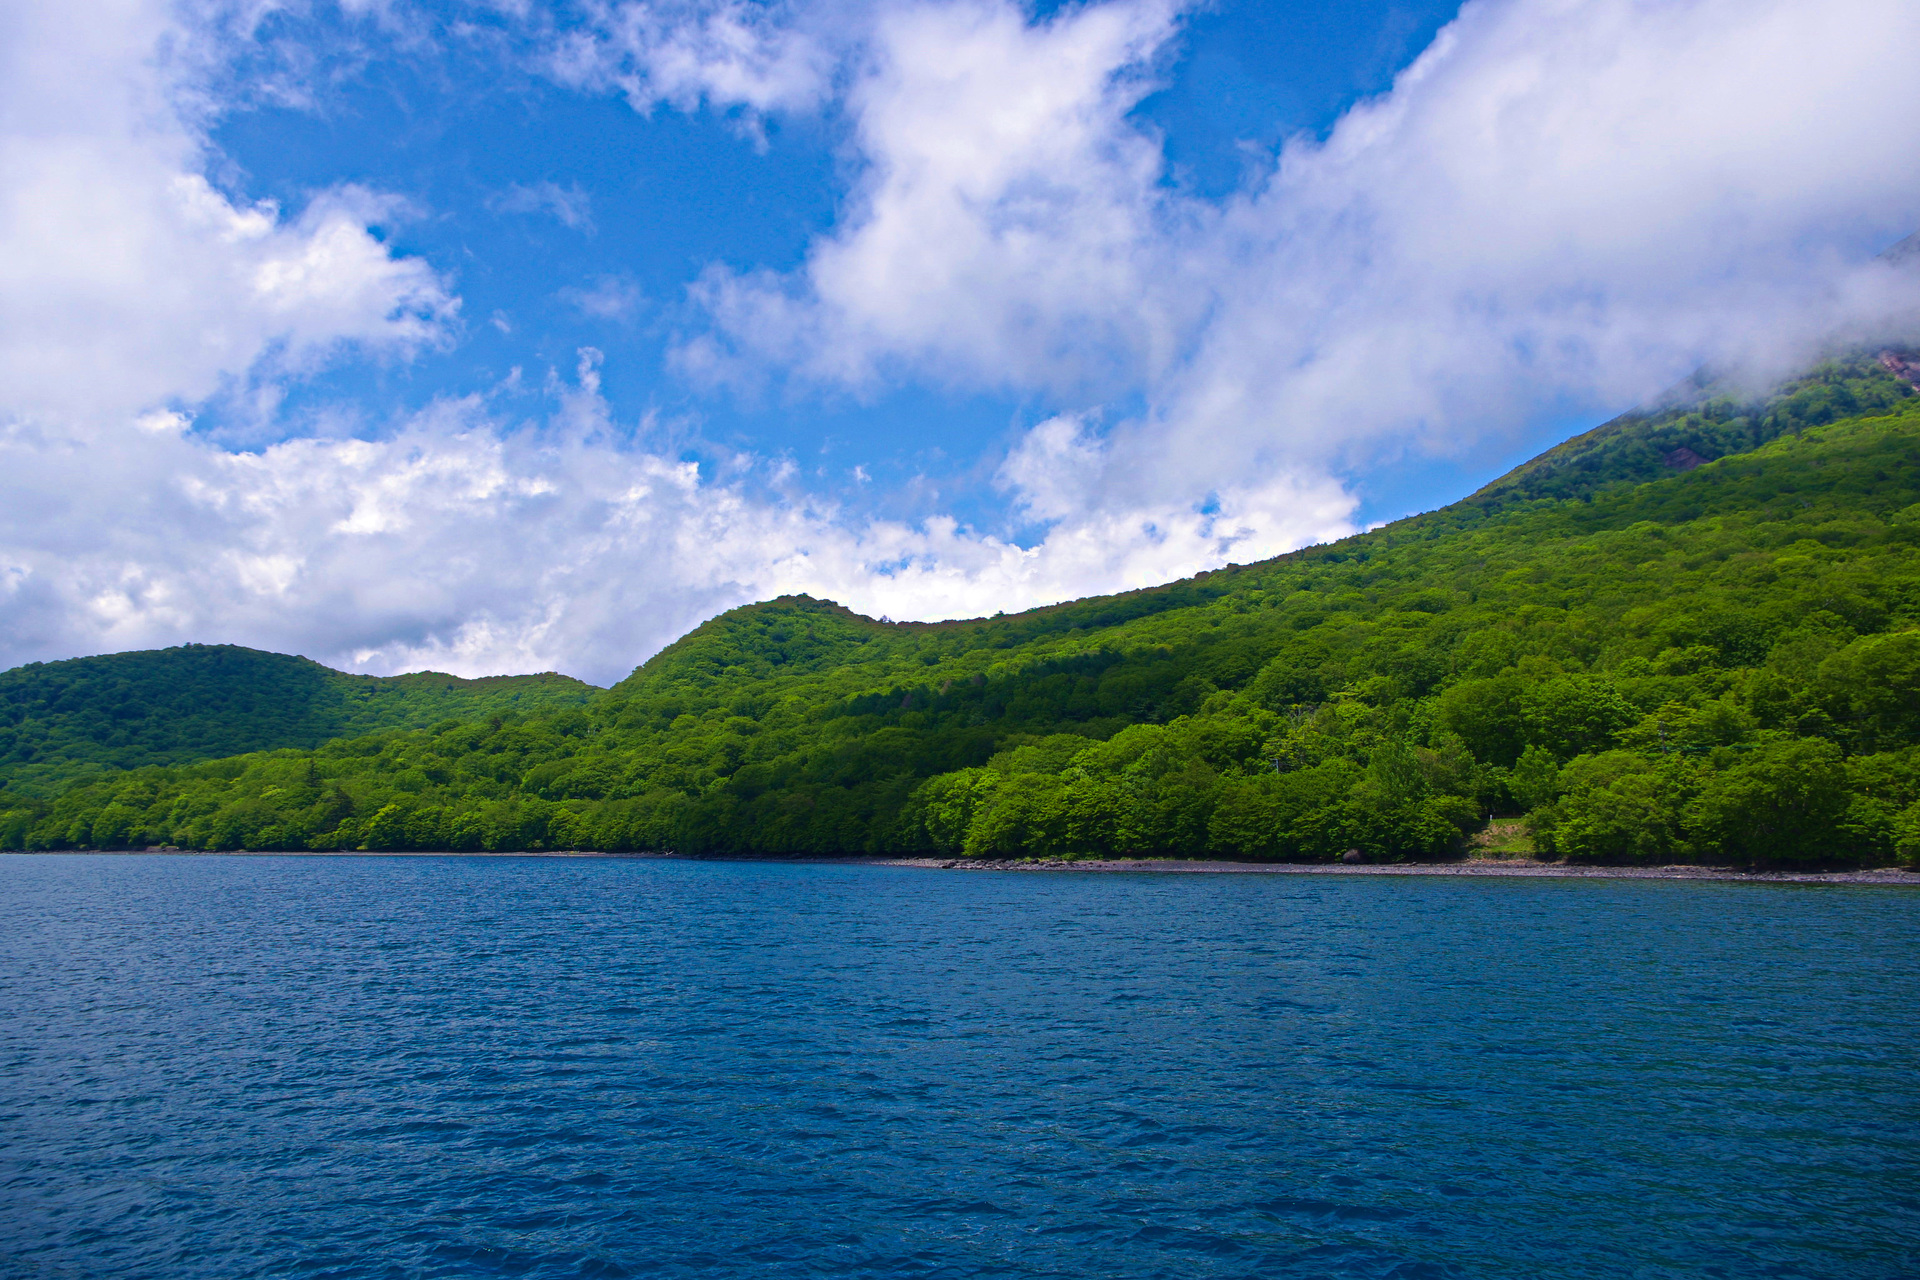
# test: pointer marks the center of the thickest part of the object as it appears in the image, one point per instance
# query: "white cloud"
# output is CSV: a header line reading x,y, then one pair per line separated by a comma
x,y
1008,227
607,298
126,278
570,206
1562,203
463,545
1054,469
733,53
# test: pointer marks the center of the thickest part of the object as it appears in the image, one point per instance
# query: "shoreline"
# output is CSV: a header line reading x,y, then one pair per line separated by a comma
x,y
1497,868
1510,868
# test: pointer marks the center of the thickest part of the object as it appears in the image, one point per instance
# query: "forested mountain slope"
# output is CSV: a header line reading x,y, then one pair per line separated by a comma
x,y
1657,655
62,720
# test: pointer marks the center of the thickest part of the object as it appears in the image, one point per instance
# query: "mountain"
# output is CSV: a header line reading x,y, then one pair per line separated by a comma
x,y
1691,634
64,720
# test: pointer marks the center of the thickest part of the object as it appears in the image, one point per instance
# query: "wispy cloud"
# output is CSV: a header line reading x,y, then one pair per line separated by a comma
x,y
570,206
732,53
607,298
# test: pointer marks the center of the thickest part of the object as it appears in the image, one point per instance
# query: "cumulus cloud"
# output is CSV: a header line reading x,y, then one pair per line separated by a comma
x,y
1563,201
1560,203
468,544
1008,227
127,278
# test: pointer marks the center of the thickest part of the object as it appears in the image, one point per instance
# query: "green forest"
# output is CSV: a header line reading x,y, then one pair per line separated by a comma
x,y
1691,635
65,720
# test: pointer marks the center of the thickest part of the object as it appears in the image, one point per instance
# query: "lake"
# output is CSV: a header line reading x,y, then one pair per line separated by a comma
x,y
266,1066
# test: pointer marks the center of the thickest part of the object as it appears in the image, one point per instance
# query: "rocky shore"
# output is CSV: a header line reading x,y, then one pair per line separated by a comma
x,y
1178,866
1471,867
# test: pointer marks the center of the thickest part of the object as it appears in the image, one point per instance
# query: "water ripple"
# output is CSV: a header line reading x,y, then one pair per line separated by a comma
x,y
222,1067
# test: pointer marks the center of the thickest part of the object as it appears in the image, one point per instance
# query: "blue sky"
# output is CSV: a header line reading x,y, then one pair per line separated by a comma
x,y
497,335
569,220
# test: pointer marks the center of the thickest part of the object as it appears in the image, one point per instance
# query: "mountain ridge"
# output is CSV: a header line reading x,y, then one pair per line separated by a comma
x,y
60,720
1634,446
1638,656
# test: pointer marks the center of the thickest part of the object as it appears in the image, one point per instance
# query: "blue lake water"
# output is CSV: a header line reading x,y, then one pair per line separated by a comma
x,y
226,1067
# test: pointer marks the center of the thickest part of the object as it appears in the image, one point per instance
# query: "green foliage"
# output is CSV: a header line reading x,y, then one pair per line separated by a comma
x,y
1703,423
1620,807
1535,780
1655,660
1784,795
61,720
1873,687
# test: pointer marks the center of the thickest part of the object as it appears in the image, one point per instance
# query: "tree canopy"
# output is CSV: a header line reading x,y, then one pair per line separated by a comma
x,y
63,720
1690,635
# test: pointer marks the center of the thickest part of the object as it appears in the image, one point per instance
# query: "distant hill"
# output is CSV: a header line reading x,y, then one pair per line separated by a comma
x,y
1700,423
62,720
1692,634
